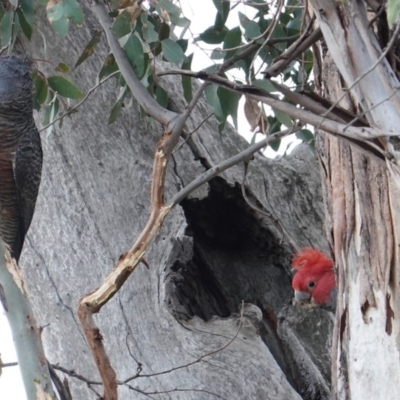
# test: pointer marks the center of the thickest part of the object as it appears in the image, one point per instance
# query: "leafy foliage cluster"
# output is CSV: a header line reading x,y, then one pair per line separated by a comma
x,y
146,30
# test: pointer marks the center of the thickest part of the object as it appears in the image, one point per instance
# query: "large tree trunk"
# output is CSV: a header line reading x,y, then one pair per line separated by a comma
x,y
362,211
214,251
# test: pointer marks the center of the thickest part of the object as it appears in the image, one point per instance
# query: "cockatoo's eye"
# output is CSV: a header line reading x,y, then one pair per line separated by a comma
x,y
311,284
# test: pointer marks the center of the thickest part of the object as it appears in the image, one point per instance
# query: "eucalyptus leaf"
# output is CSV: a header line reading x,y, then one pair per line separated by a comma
x,y
89,48
134,51
172,51
64,87
187,80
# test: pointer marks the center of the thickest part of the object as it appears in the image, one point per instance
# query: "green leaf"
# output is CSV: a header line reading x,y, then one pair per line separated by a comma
x,y
172,51
164,32
284,119
150,34
61,26
186,80
25,26
64,87
223,8
109,66
40,86
275,126
55,12
73,11
213,100
118,105
134,51
232,39
306,136
251,28
275,144
122,24
168,6
27,10
6,27
393,9
278,34
213,36
161,96
14,3
229,103
61,67
183,43
89,48
294,25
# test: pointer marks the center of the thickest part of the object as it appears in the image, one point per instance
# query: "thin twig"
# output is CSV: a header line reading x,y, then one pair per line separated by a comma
x,y
230,162
91,90
186,390
210,353
270,30
189,135
10,364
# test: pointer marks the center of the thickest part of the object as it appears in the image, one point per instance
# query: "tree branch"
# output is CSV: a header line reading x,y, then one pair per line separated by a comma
x,y
243,156
292,52
26,334
259,94
150,106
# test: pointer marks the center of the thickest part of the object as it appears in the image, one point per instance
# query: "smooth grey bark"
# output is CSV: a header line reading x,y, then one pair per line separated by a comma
x,y
213,252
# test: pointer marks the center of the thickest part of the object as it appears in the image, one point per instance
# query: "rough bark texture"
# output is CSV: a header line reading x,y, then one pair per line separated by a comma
x,y
361,208
213,252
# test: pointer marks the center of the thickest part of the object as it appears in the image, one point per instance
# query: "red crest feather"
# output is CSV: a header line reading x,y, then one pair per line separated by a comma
x,y
315,275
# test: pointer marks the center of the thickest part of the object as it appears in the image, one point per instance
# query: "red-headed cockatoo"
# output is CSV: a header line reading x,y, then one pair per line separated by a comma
x,y
314,280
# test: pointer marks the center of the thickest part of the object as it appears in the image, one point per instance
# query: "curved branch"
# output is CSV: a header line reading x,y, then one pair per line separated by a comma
x,y
150,106
243,156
